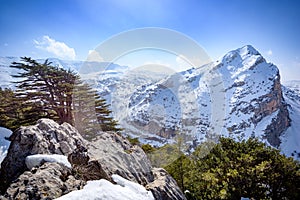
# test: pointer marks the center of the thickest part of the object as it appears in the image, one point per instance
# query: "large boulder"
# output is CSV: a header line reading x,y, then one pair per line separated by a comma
x,y
46,137
118,156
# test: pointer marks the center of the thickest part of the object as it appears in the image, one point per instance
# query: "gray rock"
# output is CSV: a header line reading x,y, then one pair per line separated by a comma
x,y
46,137
84,168
164,187
49,181
118,156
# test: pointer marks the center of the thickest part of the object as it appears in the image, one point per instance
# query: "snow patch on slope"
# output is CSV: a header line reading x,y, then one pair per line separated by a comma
x,y
36,160
290,140
103,190
4,144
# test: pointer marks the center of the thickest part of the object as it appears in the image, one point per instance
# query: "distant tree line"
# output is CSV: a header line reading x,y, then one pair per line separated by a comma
x,y
46,91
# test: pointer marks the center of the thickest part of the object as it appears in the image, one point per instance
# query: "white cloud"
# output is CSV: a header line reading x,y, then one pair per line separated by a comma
x,y
59,49
269,52
94,56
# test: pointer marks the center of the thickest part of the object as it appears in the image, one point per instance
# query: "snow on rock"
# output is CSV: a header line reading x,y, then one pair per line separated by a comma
x,y
293,85
103,190
37,159
4,143
290,140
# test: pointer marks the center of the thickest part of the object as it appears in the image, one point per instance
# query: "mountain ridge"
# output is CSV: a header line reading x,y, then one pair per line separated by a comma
x,y
241,93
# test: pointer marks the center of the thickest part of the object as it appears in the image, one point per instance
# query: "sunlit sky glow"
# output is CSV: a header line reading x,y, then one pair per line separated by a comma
x,y
70,29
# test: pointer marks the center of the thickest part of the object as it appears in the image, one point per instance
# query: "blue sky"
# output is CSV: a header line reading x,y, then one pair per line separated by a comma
x,y
69,29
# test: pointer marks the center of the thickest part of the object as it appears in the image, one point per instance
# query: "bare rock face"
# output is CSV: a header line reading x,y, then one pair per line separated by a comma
x,y
282,121
49,181
164,186
46,137
118,156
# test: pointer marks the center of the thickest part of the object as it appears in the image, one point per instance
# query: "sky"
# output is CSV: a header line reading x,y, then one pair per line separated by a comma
x,y
71,29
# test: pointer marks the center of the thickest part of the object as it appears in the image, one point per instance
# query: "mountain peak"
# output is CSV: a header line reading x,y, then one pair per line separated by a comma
x,y
244,58
247,50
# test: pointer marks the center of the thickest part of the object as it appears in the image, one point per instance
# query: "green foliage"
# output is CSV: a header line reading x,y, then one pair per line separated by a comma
x,y
10,109
232,170
91,113
44,90
103,115
163,156
133,141
179,170
147,148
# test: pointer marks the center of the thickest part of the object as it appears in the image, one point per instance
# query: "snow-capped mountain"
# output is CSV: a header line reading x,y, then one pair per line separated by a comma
x,y
293,85
238,96
248,102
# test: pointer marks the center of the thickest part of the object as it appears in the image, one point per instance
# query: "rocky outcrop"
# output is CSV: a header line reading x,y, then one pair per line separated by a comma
x,y
164,186
279,124
108,154
49,181
46,137
118,156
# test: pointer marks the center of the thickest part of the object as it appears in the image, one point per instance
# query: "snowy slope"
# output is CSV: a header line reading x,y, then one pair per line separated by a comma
x,y
104,190
290,140
6,72
293,85
4,144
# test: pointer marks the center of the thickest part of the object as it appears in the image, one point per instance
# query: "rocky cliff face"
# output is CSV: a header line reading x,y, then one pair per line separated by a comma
x,y
108,154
